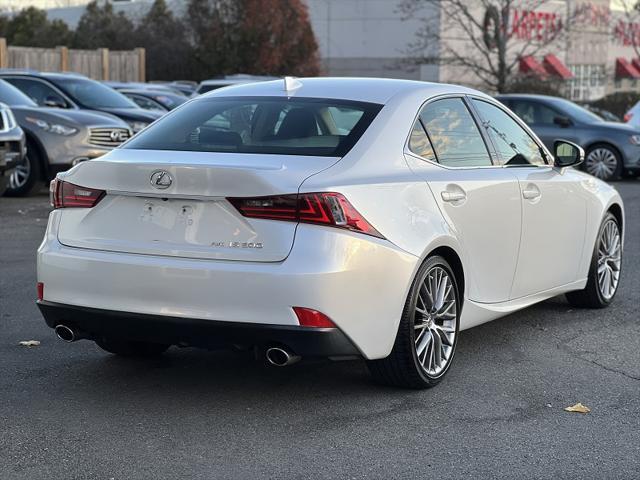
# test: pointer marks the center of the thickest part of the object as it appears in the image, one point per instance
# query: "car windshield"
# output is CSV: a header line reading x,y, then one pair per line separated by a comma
x,y
577,112
14,97
269,125
92,94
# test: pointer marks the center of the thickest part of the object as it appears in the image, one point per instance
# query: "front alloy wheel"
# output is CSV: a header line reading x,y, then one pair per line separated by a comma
x,y
609,259
25,178
428,332
20,175
604,271
603,162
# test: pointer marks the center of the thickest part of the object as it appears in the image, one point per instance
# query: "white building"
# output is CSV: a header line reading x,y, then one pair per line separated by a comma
x,y
371,38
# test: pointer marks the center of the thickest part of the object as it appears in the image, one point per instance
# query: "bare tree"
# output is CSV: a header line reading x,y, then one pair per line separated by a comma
x,y
626,28
486,37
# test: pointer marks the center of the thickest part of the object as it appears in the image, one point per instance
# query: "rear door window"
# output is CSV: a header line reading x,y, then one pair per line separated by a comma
x,y
455,137
268,125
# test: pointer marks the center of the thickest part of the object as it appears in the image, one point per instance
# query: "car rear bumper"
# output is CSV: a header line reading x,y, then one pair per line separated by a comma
x,y
359,282
98,323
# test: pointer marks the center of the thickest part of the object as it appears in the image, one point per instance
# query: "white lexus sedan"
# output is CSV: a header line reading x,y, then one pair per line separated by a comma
x,y
325,217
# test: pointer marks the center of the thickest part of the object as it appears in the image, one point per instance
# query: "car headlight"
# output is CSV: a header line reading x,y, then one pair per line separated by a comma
x,y
9,121
136,126
635,139
56,128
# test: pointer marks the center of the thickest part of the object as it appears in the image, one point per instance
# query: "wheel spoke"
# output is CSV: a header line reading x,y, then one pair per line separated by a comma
x,y
609,259
435,320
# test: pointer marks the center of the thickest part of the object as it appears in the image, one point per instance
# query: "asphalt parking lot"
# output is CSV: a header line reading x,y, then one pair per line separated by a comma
x,y
69,411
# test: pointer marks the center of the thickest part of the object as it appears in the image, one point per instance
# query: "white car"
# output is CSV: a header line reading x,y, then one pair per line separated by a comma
x,y
325,217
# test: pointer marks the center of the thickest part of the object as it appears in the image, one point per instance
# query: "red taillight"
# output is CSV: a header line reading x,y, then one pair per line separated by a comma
x,y
67,195
313,318
627,116
324,208
40,287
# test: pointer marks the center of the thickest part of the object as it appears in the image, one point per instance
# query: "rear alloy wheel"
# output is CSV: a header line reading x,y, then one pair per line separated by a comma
x,y
25,178
127,348
428,330
604,272
603,162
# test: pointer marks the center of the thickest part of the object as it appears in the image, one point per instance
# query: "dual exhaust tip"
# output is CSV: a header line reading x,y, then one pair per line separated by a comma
x,y
281,356
277,356
68,334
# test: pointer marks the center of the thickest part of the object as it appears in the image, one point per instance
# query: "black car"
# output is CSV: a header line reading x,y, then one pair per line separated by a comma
x,y
157,100
73,91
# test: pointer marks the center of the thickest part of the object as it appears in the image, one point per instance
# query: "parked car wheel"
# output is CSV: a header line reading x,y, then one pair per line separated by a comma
x,y
603,161
604,272
4,182
126,348
25,178
428,331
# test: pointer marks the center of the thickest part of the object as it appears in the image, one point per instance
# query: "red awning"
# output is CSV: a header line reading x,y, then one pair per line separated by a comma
x,y
625,70
529,64
636,63
554,66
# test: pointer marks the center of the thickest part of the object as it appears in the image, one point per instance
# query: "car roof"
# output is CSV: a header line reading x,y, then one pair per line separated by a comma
x,y
529,96
151,91
373,90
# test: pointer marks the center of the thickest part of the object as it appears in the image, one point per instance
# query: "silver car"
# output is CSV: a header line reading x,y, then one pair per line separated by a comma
x,y
612,149
57,139
12,146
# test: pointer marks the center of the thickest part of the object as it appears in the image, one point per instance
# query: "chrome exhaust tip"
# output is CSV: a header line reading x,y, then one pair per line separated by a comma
x,y
66,334
280,357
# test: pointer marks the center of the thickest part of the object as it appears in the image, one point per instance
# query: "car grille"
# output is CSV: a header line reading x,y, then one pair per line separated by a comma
x,y
108,137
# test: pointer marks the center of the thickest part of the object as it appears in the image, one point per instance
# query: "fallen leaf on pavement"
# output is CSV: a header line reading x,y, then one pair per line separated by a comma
x,y
577,408
29,343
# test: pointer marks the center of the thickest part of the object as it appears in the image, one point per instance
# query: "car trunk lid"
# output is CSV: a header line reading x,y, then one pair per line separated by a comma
x,y
174,204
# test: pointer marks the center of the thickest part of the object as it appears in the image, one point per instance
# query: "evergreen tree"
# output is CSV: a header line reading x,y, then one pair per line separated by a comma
x,y
31,28
163,36
102,27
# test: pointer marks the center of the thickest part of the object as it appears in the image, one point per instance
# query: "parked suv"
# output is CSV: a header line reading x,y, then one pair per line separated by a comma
x,y
57,139
12,146
611,148
74,91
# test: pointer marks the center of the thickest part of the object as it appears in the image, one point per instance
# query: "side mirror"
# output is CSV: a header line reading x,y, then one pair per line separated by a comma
x,y
567,154
54,101
562,121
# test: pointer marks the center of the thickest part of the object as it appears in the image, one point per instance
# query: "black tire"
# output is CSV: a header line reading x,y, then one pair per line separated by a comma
x,y
617,170
402,368
4,182
33,163
127,348
591,296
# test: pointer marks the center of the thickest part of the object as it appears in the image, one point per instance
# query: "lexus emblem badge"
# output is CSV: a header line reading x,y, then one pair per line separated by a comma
x,y
161,179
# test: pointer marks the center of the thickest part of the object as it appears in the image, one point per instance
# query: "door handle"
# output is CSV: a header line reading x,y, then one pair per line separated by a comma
x,y
531,192
453,196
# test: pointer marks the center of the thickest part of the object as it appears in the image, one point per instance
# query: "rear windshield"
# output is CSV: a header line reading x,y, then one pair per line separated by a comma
x,y
269,125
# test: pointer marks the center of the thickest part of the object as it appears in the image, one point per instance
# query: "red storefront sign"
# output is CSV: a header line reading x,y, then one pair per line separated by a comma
x,y
534,25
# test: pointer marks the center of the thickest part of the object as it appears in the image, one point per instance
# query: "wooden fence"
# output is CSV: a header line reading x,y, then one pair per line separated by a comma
x,y
100,64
